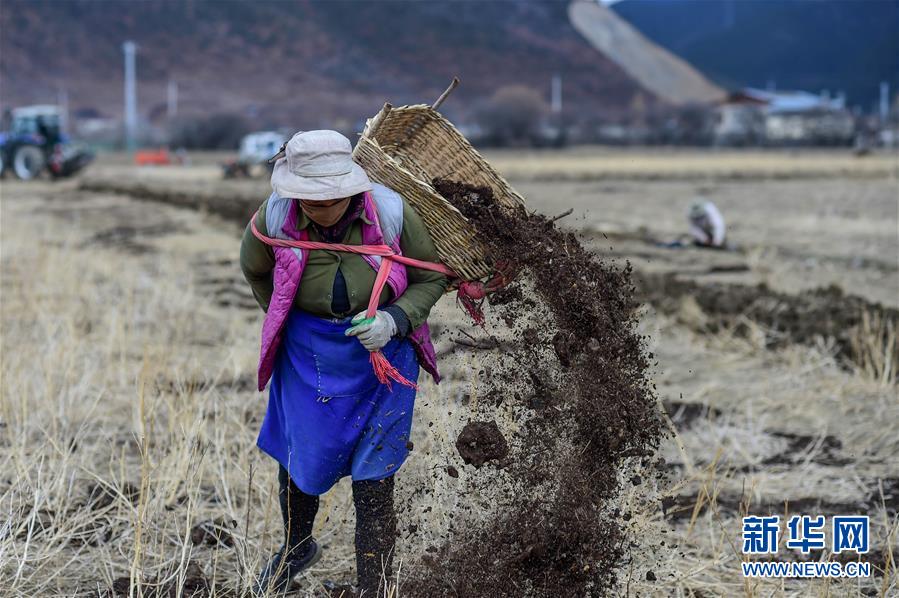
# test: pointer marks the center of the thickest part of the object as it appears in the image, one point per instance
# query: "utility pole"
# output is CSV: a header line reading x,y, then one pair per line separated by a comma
x,y
556,94
172,99
130,50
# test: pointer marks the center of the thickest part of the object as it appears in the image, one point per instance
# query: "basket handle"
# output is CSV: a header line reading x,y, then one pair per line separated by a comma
x,y
443,96
372,126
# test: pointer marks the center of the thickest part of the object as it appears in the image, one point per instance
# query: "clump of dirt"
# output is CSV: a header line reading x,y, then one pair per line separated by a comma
x,y
32,522
101,496
213,532
581,369
684,414
480,442
193,583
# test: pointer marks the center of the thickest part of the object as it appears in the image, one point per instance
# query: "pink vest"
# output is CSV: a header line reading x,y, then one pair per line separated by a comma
x,y
383,207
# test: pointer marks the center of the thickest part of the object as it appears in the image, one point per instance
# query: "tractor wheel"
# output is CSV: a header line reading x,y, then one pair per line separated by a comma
x,y
28,162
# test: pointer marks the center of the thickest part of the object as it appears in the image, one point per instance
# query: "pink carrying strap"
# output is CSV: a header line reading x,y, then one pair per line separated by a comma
x,y
384,371
385,252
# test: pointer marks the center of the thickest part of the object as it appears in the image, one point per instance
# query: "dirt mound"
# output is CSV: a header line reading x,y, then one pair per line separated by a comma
x,y
230,206
860,329
580,374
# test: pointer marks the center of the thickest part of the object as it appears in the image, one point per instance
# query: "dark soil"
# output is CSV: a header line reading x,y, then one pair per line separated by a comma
x,y
800,449
480,442
128,238
828,451
101,496
582,372
230,207
340,591
194,584
684,414
97,528
678,508
33,523
805,318
213,532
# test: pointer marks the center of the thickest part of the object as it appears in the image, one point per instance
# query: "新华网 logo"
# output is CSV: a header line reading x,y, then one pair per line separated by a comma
x,y
762,536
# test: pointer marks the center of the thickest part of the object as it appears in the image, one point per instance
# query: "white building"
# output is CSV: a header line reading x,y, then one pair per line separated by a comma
x,y
754,116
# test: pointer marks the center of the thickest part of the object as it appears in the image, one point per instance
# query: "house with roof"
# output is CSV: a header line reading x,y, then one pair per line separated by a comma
x,y
761,117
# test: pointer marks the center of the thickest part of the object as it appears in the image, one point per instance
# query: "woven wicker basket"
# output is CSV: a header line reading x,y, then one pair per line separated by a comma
x,y
405,148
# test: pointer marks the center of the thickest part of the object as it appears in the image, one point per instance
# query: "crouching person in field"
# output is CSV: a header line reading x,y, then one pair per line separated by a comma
x,y
328,414
707,227
706,230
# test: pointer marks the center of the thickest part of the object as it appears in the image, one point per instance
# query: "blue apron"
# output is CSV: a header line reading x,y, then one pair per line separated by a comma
x,y
328,416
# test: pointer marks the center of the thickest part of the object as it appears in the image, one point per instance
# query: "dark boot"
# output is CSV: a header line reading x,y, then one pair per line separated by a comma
x,y
300,550
375,535
284,565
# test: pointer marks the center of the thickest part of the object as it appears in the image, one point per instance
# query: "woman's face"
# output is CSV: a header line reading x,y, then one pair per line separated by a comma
x,y
325,213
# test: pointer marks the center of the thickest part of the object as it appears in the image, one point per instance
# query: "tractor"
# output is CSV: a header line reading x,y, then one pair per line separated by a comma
x,y
34,143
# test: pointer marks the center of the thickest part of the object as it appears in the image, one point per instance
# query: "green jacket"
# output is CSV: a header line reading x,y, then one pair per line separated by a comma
x,y
257,260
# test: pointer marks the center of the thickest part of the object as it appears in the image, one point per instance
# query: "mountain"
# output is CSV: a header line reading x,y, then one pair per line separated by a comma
x,y
303,62
813,45
653,67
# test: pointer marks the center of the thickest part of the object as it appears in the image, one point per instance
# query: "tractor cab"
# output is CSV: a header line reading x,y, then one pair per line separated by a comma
x,y
42,121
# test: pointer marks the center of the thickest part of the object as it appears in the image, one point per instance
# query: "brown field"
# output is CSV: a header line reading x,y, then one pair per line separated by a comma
x,y
128,412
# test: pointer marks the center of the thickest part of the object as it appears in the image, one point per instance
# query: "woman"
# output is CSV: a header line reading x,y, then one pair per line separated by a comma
x,y
328,416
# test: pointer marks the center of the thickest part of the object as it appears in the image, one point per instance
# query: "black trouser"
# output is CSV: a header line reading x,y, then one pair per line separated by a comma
x,y
375,525
298,511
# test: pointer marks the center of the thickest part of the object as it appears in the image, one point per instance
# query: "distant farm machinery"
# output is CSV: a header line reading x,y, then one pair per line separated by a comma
x,y
255,151
35,143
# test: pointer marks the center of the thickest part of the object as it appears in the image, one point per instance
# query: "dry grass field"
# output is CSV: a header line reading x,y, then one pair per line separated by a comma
x,y
591,164
128,411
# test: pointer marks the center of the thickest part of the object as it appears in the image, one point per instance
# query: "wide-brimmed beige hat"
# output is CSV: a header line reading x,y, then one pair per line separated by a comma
x,y
318,165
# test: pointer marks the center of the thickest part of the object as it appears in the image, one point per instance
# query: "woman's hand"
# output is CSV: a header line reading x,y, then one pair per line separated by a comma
x,y
373,332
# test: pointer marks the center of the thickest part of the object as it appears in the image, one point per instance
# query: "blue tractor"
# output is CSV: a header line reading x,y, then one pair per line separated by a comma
x,y
35,143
